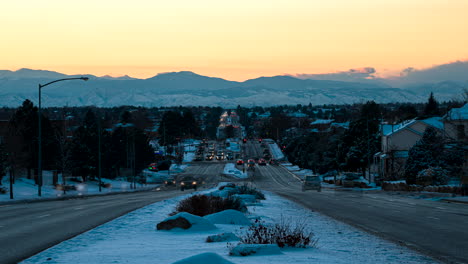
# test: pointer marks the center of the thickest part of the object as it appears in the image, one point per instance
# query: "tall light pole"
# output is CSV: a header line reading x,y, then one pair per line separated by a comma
x,y
39,154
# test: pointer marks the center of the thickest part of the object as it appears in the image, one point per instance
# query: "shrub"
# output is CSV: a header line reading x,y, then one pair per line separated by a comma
x,y
3,190
202,205
432,176
282,234
243,189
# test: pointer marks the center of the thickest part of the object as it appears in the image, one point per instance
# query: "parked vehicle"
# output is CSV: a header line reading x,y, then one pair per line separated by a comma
x,y
188,182
311,182
262,162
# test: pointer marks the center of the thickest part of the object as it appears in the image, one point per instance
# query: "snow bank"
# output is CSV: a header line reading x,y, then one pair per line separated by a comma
x,y
198,223
223,237
204,258
255,249
26,189
231,170
276,151
228,217
134,236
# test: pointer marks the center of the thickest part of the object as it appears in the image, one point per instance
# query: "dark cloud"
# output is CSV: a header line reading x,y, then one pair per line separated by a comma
x,y
352,75
455,71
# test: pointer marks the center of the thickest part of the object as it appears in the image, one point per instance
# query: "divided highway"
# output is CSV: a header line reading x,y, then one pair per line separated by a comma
x,y
437,229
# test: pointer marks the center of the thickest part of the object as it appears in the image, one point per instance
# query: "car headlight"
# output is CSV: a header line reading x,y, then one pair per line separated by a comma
x,y
182,183
194,182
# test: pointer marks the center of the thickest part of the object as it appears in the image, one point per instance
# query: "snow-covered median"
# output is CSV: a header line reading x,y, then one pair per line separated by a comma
x,y
132,238
231,170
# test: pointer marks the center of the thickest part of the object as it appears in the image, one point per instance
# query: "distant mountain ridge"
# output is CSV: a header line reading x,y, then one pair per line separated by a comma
x,y
188,88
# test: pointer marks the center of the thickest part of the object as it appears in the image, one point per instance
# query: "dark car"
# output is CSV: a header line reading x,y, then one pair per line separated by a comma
x,y
188,182
262,162
170,182
240,162
274,162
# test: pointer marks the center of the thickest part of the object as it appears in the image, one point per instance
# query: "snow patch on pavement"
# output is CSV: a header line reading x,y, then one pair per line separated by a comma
x,y
231,170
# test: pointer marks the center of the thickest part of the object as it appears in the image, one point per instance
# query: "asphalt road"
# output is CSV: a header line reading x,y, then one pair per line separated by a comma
x,y
437,229
28,228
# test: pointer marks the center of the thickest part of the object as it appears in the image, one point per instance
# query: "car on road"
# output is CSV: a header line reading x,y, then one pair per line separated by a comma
x,y
251,164
170,182
209,157
220,157
240,162
198,158
262,162
274,162
153,167
188,182
312,182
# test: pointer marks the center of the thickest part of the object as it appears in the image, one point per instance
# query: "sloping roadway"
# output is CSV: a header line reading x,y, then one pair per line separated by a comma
x,y
437,229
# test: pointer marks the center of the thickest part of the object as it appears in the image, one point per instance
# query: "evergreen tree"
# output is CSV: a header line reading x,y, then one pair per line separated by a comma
x,y
23,135
84,148
432,107
423,154
3,161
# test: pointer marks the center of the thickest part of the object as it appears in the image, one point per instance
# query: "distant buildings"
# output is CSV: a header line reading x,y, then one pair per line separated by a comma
x,y
229,126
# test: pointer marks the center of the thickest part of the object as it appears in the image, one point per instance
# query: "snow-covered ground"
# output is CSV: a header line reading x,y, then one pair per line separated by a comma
x,y
296,170
231,170
190,146
25,189
161,176
275,151
133,238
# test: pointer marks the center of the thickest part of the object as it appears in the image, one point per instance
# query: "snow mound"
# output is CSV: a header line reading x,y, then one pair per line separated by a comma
x,y
204,258
228,217
198,223
246,198
231,170
223,237
257,249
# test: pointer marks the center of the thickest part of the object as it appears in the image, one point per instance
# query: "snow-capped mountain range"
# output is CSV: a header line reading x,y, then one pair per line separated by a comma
x,y
188,88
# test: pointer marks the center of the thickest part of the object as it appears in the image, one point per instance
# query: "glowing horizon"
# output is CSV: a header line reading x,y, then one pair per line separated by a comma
x,y
234,41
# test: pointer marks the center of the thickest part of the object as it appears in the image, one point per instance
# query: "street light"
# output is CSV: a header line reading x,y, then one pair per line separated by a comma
x,y
39,155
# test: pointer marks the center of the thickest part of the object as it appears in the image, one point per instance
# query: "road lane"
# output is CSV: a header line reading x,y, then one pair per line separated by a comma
x,y
434,228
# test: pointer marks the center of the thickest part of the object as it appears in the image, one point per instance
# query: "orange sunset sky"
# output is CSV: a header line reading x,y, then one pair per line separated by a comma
x,y
235,40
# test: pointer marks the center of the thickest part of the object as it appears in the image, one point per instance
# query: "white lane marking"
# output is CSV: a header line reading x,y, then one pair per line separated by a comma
x,y
6,205
441,208
42,216
431,217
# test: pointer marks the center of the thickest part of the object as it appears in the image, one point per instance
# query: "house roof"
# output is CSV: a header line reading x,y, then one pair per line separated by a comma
x,y
458,113
435,122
